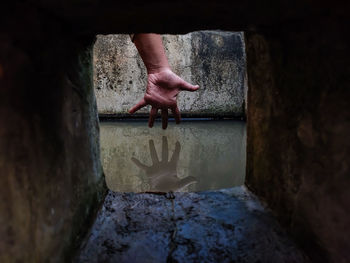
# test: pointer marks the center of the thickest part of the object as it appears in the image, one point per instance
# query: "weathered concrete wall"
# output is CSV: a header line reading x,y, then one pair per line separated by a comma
x,y
298,132
214,60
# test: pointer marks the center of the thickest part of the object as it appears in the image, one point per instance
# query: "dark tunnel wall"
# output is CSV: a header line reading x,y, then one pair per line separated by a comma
x,y
298,128
51,178
298,114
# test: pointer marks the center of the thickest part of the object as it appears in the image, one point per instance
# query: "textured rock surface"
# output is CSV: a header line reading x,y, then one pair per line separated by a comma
x,y
298,133
298,145
221,226
214,60
51,178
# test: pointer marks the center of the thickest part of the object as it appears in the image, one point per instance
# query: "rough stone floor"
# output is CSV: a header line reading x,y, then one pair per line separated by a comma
x,y
218,226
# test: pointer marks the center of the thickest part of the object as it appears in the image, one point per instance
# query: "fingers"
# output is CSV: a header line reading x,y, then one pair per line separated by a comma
x,y
189,87
153,152
177,115
152,117
164,118
165,149
176,154
142,103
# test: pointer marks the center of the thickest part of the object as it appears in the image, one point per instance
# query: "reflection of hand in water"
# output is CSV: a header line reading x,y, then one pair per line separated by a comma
x,y
162,175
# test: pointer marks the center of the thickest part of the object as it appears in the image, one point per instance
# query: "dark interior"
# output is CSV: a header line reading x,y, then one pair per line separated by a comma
x,y
298,117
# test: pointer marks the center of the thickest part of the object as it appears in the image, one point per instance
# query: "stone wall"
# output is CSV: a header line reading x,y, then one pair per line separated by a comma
x,y
298,132
51,180
214,60
298,119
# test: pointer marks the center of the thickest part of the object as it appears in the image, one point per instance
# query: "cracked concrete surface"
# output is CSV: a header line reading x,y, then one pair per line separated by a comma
x,y
218,226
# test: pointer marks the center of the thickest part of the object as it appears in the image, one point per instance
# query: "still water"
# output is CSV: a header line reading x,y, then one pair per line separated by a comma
x,y
193,156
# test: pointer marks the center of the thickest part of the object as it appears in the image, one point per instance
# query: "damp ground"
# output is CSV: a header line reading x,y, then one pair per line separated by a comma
x,y
227,225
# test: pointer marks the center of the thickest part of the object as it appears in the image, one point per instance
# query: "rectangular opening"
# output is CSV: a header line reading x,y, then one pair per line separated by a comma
x,y
207,150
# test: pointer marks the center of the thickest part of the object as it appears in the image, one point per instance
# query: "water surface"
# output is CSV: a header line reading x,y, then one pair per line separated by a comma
x,y
192,156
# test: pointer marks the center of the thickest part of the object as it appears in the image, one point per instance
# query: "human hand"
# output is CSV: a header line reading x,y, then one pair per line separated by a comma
x,y
162,175
162,90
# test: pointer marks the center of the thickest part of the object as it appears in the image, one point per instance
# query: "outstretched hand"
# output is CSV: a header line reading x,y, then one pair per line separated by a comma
x,y
162,174
162,90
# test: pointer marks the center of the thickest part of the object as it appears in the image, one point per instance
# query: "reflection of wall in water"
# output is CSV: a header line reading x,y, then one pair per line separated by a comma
x,y
213,152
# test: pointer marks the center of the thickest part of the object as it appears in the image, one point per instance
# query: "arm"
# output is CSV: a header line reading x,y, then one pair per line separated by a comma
x,y
151,50
163,85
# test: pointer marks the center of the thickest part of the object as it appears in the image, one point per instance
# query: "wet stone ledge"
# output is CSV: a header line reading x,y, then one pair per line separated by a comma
x,y
218,226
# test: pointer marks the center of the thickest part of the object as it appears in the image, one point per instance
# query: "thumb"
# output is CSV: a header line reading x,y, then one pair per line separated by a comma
x,y
189,87
186,181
